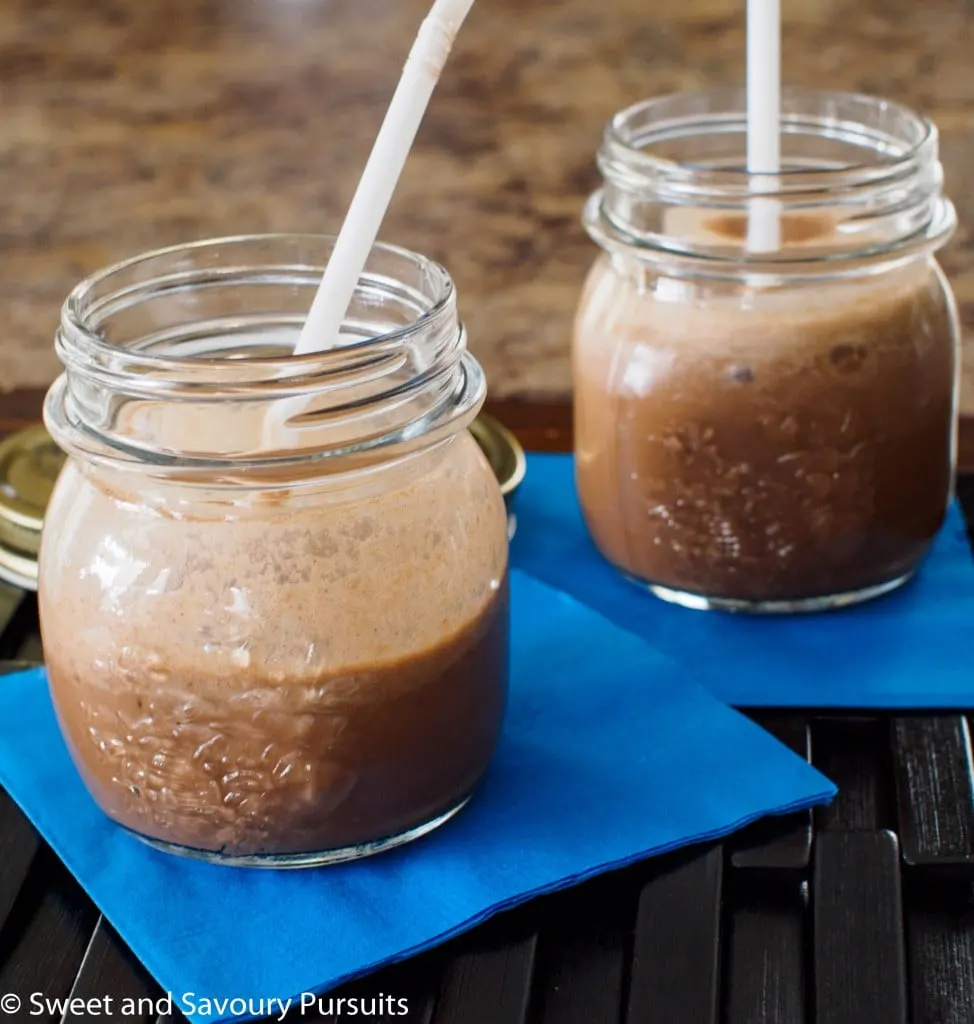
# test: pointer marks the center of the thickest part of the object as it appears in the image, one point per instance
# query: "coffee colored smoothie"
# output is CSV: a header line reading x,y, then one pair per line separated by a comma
x,y
216,697
765,444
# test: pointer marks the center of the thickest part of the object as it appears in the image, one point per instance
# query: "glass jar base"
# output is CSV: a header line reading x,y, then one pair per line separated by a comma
x,y
314,859
800,606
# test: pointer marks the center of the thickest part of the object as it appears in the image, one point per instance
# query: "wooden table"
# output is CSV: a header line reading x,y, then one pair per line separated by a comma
x,y
131,125
860,915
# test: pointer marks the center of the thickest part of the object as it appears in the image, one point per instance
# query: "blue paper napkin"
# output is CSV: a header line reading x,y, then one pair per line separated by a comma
x,y
609,754
910,649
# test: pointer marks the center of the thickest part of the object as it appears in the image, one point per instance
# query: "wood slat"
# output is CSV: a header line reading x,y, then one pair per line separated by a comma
x,y
109,969
582,951
766,971
414,981
44,940
941,959
19,844
175,1017
584,978
779,844
854,754
676,946
935,791
420,1004
489,983
859,957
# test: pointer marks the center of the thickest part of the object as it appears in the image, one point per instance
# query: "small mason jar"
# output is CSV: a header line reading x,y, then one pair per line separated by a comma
x,y
767,430
273,589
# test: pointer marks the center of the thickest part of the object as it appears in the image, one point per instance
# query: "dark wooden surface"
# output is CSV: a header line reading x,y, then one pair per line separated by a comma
x,y
862,914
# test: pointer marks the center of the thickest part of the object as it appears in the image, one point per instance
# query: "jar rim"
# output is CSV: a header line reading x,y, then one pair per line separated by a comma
x,y
631,130
76,329
860,186
207,328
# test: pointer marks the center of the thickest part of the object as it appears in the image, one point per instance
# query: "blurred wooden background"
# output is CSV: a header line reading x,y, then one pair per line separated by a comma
x,y
129,125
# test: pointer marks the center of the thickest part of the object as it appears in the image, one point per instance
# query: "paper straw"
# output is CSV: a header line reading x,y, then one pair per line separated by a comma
x,y
764,119
361,228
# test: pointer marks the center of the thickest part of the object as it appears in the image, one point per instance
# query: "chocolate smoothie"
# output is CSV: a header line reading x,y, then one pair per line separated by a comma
x,y
771,445
283,677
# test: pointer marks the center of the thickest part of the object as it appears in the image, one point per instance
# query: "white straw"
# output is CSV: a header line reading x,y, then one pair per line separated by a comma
x,y
764,119
358,234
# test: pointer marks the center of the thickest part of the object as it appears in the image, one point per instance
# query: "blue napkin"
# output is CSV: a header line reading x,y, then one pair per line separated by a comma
x,y
609,754
910,649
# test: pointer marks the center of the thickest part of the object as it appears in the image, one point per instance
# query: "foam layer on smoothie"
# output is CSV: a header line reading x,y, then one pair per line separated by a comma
x,y
251,583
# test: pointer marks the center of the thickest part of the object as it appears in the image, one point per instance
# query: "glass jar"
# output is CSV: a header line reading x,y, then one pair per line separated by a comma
x,y
767,431
273,589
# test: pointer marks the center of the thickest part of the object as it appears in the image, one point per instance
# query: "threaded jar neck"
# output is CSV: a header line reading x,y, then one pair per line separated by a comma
x,y
861,185
180,361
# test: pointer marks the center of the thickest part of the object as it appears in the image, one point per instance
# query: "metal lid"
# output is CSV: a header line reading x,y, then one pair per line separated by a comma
x,y
29,466
504,453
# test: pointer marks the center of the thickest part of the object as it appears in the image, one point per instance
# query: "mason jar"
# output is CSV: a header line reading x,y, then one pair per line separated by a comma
x,y
273,589
772,430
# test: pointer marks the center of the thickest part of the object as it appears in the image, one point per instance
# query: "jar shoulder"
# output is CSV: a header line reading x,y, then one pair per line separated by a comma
x,y
626,312
415,559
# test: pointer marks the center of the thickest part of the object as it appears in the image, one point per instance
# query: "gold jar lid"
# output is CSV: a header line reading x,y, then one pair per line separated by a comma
x,y
506,458
29,466
503,451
